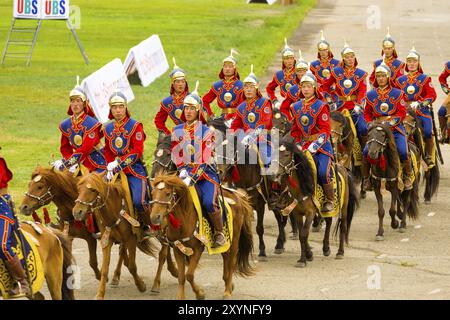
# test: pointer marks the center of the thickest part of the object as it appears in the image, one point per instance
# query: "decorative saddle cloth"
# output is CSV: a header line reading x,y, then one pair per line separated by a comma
x,y
357,148
206,230
30,254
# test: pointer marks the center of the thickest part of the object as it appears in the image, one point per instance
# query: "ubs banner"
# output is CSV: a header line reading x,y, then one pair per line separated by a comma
x,y
41,9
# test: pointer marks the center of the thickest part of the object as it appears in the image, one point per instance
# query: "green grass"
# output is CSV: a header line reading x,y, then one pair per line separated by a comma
x,y
199,33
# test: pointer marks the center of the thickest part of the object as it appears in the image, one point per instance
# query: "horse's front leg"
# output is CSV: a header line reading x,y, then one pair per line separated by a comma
x,y
116,278
379,196
161,260
193,262
181,260
260,230
281,239
92,246
131,246
393,208
326,238
105,268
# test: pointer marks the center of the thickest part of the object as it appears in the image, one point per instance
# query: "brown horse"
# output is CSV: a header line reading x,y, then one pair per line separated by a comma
x,y
432,175
385,168
106,201
170,194
163,164
295,175
48,185
54,251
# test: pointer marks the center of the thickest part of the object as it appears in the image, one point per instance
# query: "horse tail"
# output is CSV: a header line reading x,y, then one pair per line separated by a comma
x,y
410,199
67,292
352,205
244,268
432,179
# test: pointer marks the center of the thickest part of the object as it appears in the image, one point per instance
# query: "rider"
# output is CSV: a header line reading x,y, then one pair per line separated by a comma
x,y
325,62
192,152
7,228
293,94
446,104
283,78
172,106
390,59
311,129
124,149
80,136
419,95
227,91
387,103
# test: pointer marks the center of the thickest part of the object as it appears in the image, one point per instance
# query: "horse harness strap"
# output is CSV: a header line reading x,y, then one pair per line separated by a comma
x,y
383,179
179,243
41,199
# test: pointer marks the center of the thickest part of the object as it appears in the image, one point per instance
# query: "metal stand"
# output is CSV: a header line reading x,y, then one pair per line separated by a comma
x,y
31,43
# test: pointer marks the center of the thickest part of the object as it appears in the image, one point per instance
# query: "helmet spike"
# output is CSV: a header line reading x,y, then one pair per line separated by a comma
x,y
388,35
233,51
174,63
300,54
196,87
78,81
285,43
345,43
251,68
322,37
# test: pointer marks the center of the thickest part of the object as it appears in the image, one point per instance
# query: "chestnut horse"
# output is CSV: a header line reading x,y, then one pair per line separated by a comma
x,y
171,195
106,201
49,185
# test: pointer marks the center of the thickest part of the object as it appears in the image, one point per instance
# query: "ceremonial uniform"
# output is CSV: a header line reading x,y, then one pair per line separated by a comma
x,y
321,68
192,153
227,91
442,113
395,65
8,227
284,79
124,148
311,129
172,106
419,95
80,138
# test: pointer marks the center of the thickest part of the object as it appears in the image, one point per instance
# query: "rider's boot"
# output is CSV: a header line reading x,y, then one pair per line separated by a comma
x,y
217,222
21,286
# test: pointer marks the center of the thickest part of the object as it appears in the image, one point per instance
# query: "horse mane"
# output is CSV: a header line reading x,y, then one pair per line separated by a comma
x,y
392,156
66,182
98,184
219,124
303,167
339,117
178,186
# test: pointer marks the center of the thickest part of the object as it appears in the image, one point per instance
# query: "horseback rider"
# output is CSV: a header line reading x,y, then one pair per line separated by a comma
x,y
7,228
172,106
321,68
446,104
387,103
124,149
311,129
419,95
227,91
192,152
293,94
390,59
283,78
80,136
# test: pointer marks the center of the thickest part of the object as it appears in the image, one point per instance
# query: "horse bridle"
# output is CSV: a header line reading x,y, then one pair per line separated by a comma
x,y
41,199
170,203
97,199
340,134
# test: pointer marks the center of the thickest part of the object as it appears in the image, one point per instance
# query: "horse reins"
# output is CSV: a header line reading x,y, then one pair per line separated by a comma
x,y
41,199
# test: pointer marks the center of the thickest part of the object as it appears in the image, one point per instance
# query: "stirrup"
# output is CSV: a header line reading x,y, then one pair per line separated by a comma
x,y
216,243
325,203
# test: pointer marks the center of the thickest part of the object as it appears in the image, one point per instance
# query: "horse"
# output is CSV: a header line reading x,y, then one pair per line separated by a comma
x,y
248,177
163,164
106,201
295,175
49,185
171,197
383,155
432,175
54,251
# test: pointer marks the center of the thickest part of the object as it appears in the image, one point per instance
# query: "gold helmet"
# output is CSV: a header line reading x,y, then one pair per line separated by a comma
x,y
193,99
251,78
117,98
388,41
301,63
287,51
323,44
177,72
77,91
413,54
309,78
230,59
383,68
346,49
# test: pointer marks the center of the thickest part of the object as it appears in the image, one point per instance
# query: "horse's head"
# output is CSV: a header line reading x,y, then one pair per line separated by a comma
x,y
169,193
162,162
222,156
281,122
91,189
410,122
285,160
377,140
340,128
39,191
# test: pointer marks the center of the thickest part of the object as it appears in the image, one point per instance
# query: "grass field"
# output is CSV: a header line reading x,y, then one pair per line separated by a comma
x,y
199,33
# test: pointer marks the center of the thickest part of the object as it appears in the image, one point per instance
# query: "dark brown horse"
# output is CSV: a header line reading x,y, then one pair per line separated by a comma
x,y
48,185
107,202
171,196
385,168
296,178
239,173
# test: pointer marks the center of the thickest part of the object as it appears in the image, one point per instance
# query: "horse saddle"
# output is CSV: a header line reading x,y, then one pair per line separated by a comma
x,y
205,232
357,148
319,196
29,256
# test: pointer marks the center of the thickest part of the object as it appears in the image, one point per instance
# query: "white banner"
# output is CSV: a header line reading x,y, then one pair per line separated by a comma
x,y
41,9
102,83
148,59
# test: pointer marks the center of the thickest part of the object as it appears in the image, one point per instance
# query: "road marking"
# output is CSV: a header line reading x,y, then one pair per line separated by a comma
x,y
435,291
431,214
381,256
418,226
404,240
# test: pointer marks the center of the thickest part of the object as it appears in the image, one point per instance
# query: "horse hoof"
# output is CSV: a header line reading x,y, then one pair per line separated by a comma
x,y
363,195
326,253
279,251
142,287
98,297
300,264
379,238
309,257
114,283
339,256
262,258
402,230
427,201
394,224
154,291
294,236
227,296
